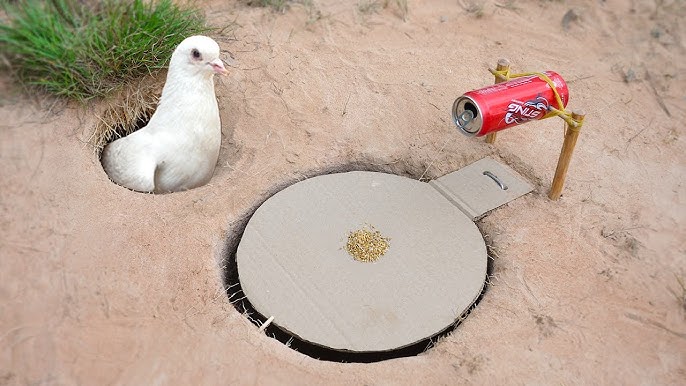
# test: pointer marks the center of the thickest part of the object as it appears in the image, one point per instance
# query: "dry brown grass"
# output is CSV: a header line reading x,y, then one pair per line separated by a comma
x,y
473,7
402,6
127,111
367,7
680,292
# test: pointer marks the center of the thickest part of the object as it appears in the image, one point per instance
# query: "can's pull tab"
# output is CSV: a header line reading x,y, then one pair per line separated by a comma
x,y
464,118
496,179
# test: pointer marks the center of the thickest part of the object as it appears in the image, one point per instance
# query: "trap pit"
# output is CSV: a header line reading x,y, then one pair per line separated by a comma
x,y
292,262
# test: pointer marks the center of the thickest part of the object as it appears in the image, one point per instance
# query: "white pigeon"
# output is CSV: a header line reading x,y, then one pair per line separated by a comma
x,y
178,148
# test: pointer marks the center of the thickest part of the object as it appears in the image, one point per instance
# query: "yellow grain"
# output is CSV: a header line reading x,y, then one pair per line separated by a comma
x,y
366,244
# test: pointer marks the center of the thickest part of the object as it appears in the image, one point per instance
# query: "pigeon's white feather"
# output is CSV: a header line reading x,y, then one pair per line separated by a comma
x,y
179,147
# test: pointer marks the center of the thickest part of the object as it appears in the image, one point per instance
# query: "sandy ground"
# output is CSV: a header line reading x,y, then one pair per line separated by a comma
x,y
100,285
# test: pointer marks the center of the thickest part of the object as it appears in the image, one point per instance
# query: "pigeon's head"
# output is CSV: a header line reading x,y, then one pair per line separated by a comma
x,y
198,55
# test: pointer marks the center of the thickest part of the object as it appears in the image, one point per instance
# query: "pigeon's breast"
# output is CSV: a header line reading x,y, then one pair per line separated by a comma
x,y
187,155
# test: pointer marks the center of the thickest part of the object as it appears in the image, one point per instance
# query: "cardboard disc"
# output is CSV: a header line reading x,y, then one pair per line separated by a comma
x,y
293,264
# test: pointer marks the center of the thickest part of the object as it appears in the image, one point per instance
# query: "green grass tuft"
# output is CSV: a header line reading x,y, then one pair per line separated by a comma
x,y
84,49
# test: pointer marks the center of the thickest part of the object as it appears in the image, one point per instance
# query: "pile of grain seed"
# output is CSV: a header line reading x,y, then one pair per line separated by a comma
x,y
366,244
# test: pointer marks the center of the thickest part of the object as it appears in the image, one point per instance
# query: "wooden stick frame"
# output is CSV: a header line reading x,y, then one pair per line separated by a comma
x,y
571,136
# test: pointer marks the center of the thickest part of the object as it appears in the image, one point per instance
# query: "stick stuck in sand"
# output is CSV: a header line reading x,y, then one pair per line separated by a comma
x,y
571,135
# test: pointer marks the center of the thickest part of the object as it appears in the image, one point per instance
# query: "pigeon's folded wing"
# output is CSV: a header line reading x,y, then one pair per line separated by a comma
x,y
131,162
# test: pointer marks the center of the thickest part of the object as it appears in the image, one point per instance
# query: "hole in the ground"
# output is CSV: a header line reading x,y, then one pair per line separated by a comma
x,y
242,304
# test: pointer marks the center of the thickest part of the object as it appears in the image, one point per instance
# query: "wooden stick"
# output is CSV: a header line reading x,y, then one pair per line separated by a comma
x,y
571,135
266,323
503,65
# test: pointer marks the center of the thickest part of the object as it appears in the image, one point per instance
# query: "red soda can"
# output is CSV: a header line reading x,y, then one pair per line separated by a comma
x,y
508,104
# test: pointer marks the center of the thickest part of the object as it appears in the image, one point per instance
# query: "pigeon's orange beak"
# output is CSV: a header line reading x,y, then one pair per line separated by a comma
x,y
218,67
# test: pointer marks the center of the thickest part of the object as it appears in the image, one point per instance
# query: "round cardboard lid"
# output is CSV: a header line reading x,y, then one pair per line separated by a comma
x,y
293,264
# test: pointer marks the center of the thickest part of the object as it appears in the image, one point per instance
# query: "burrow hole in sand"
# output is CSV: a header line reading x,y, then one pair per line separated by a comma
x,y
128,110
239,300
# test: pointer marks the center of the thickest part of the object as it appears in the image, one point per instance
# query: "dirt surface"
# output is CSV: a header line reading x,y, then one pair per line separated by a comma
x,y
101,285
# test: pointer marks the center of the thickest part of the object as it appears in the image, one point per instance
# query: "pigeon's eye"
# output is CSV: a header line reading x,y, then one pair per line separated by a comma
x,y
196,54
